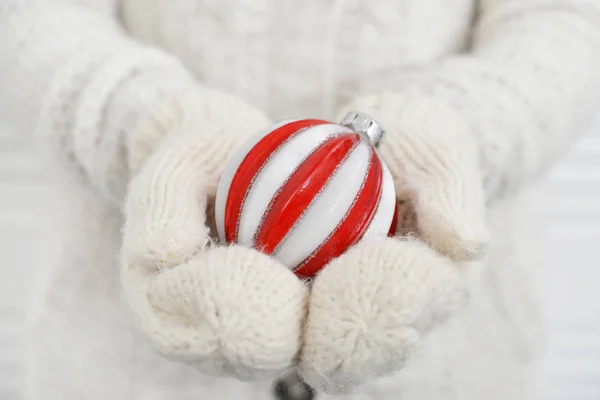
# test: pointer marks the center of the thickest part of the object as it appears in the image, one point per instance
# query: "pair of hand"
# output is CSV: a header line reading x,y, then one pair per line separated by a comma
x,y
232,311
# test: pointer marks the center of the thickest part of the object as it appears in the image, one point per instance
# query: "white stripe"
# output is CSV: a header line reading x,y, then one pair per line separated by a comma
x,y
276,172
230,170
328,210
380,225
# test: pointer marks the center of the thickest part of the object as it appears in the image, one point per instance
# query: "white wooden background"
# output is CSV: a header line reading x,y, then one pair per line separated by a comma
x,y
569,201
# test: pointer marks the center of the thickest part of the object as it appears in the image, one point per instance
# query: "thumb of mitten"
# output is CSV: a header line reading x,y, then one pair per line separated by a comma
x,y
205,306
431,153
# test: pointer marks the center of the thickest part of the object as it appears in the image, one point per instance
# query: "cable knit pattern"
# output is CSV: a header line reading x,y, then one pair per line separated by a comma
x,y
90,137
529,60
478,98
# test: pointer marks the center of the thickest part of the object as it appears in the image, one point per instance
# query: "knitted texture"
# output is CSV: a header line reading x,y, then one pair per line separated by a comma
x,y
360,326
434,161
372,305
202,305
129,120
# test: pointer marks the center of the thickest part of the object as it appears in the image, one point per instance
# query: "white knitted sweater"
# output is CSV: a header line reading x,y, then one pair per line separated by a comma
x,y
103,83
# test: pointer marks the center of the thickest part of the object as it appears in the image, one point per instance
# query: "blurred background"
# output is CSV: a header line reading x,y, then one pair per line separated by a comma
x,y
568,202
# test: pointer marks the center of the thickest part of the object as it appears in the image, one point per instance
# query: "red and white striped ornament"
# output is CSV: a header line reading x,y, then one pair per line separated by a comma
x,y
305,190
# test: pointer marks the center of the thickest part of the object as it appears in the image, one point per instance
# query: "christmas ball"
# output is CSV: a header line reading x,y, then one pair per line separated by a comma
x,y
303,191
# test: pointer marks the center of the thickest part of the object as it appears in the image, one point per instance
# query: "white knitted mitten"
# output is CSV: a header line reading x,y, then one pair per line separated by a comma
x,y
371,306
225,310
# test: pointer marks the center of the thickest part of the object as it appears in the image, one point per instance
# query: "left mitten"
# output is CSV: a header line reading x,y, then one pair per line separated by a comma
x,y
226,310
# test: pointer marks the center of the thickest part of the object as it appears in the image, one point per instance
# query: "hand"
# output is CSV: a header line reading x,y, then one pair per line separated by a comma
x,y
371,306
225,310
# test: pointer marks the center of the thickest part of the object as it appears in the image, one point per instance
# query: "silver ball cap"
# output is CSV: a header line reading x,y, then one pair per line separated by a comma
x,y
365,125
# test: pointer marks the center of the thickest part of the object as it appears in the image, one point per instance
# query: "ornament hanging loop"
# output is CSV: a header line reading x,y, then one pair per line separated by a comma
x,y
365,125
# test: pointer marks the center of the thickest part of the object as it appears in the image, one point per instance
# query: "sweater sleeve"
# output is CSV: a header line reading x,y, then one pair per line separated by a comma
x,y
69,71
527,86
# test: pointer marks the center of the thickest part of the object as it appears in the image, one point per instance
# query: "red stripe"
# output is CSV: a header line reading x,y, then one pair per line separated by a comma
x,y
353,226
301,189
251,166
392,230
